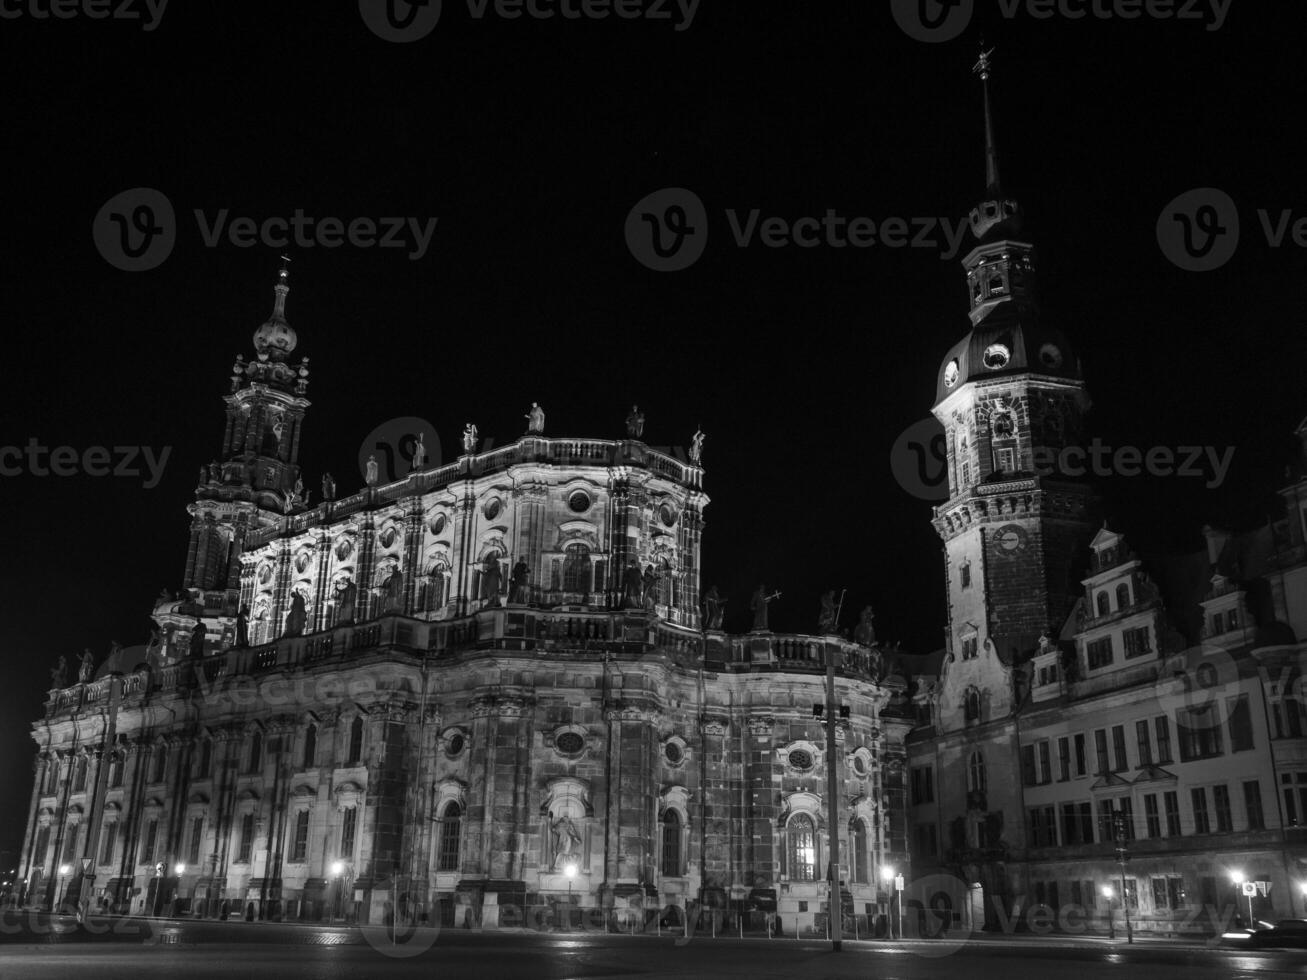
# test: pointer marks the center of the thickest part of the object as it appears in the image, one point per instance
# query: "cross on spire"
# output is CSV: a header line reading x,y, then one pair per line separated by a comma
x,y
982,68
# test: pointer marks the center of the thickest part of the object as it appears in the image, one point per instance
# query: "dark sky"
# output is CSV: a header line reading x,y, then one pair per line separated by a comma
x,y
530,140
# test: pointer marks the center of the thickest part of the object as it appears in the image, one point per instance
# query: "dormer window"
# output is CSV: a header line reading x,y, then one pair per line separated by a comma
x,y
969,647
1103,603
997,286
971,706
966,575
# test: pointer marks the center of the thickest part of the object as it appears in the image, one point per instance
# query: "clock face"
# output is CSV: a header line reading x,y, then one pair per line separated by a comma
x,y
1011,539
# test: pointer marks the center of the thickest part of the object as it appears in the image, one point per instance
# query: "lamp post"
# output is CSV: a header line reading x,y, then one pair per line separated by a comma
x,y
178,870
1238,878
1111,928
569,869
1118,821
887,876
337,871
1303,886
64,869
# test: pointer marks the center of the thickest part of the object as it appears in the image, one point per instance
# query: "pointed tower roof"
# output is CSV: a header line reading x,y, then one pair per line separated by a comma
x,y
997,216
276,338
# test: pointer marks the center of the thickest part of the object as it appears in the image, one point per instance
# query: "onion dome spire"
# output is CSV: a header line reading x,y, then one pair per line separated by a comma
x,y
276,338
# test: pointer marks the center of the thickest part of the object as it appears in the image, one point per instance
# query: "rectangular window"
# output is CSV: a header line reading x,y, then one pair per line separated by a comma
x,y
1045,763
197,839
969,648
348,824
246,847
923,785
1136,642
1075,892
1202,819
1063,758
1100,748
1151,817
1043,827
206,759
70,843
1252,804
1118,748
1100,653
1145,746
147,842
1082,767
1200,733
1162,728
1221,802
1132,894
966,575
41,851
1240,722
1171,801
106,852
300,850
1027,765
1168,893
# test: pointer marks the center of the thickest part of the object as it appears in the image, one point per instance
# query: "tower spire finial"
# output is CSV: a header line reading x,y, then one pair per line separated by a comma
x,y
982,68
281,289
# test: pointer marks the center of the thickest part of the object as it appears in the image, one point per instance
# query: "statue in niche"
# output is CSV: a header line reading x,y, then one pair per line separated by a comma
x,y
649,588
635,423
826,615
59,672
345,593
196,650
535,420
215,472
712,609
370,471
632,586
469,438
328,487
394,600
419,455
85,667
864,633
243,626
696,447
491,579
759,606
518,582
298,615
567,842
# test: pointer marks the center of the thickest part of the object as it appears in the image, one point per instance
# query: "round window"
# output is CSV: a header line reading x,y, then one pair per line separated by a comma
x,y
951,374
860,765
668,515
438,524
997,356
492,509
672,752
579,502
456,744
1051,356
801,759
569,743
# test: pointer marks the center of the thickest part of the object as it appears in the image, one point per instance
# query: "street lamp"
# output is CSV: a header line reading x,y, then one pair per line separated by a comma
x,y
1238,878
1303,886
337,870
887,876
64,869
569,869
1111,928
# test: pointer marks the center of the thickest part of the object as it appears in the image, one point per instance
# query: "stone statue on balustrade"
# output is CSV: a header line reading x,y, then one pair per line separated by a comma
x,y
632,586
345,595
243,626
59,673
328,487
470,438
370,471
864,634
567,842
696,447
758,604
826,617
712,610
517,584
196,650
535,420
85,667
419,454
297,616
394,597
635,423
492,580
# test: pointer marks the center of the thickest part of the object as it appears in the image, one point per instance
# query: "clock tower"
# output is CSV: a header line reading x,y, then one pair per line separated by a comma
x,y
1011,399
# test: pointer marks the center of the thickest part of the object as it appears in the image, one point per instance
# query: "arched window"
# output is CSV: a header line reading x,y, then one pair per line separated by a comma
x,y
160,762
671,844
1104,604
976,773
576,569
1122,596
451,826
115,771
858,835
310,745
802,848
206,759
971,707
355,742
79,775
256,753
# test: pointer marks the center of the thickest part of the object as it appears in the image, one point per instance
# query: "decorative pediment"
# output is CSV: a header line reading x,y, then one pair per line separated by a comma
x,y
247,794
801,802
198,799
567,795
448,790
675,797
304,792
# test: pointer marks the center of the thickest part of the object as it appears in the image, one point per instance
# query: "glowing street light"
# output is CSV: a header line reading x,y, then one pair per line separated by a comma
x,y
64,870
179,869
1108,894
1238,878
569,869
338,872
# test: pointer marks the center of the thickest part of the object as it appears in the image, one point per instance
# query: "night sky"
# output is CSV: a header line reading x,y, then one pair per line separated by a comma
x,y
530,141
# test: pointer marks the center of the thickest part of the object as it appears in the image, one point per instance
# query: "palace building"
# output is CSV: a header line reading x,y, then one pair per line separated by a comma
x,y
485,687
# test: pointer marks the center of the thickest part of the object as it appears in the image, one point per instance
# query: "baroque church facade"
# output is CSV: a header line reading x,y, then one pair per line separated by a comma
x,y
487,687
1078,754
